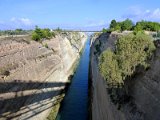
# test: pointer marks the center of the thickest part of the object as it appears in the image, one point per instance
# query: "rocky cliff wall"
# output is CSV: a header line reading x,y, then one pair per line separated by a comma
x,y
33,74
142,88
145,90
102,107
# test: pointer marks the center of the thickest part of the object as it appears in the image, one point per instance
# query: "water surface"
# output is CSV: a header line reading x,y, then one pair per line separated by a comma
x,y
75,103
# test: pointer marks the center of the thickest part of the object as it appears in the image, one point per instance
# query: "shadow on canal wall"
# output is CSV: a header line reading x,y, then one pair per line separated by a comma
x,y
31,98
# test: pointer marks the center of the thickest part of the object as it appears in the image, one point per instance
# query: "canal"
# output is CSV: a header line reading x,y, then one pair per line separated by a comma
x,y
75,103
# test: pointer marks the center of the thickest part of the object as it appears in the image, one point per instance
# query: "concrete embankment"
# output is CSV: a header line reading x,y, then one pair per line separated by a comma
x,y
33,75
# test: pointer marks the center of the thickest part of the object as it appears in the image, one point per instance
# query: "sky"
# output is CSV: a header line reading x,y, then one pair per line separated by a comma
x,y
74,14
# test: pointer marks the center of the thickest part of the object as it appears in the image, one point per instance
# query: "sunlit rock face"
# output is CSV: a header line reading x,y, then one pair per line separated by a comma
x,y
33,74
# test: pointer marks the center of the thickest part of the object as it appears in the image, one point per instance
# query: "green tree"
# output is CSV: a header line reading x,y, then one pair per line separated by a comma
x,y
39,34
59,29
118,27
110,69
127,25
131,51
104,30
113,25
18,31
147,25
36,36
138,28
46,33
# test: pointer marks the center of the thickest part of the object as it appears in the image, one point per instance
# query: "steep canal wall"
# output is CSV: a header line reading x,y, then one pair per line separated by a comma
x,y
101,107
75,103
143,89
33,75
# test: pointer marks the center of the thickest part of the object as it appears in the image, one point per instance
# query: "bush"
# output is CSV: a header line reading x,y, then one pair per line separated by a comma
x,y
98,46
39,34
126,25
46,45
158,34
109,68
36,36
46,33
4,72
104,30
131,51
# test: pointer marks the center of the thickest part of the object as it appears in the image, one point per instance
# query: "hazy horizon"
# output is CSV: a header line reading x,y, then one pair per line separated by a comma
x,y
79,14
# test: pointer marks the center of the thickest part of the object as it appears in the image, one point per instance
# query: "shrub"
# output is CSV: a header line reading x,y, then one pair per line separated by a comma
x,y
131,51
97,46
109,68
158,34
46,45
4,72
39,34
36,36
104,30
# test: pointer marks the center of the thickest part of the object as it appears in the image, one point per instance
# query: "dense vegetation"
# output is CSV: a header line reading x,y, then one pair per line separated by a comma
x,y
131,51
129,25
147,25
39,34
121,26
15,32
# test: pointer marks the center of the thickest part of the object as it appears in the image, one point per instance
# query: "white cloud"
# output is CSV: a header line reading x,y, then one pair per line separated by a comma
x,y
156,14
147,11
22,21
14,23
136,13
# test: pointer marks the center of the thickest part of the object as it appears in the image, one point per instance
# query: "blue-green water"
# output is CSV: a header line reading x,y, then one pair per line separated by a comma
x,y
75,103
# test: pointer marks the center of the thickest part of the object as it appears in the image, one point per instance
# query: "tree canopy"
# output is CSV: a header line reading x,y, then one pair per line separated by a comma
x,y
15,32
126,25
129,25
113,24
147,25
121,26
131,51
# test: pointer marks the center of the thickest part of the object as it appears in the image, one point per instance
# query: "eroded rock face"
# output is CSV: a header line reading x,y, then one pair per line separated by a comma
x,y
143,88
33,74
102,107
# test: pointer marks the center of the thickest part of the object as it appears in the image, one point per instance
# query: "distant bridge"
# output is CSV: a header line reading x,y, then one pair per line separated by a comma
x,y
78,31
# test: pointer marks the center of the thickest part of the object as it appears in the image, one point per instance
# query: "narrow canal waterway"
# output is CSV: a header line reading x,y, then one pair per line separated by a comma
x,y
75,103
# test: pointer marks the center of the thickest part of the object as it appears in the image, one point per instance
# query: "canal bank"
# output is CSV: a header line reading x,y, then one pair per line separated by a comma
x,y
75,104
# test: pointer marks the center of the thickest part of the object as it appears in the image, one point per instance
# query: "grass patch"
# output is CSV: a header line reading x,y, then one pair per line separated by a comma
x,y
5,71
45,45
55,109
